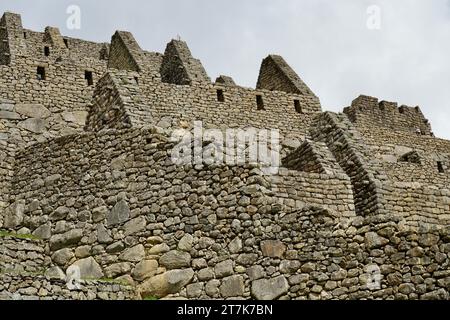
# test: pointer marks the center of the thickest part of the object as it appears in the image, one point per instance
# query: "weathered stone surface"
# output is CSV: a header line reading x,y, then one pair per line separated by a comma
x,y
78,117
133,254
134,226
185,243
406,288
194,290
15,214
158,249
103,234
175,259
119,214
88,268
255,272
373,240
247,259
145,269
117,269
440,294
224,268
232,287
55,273
63,256
205,274
99,214
33,110
52,179
269,289
169,282
235,246
67,239
289,266
115,247
43,232
428,240
60,213
212,288
8,115
273,248
33,125
358,208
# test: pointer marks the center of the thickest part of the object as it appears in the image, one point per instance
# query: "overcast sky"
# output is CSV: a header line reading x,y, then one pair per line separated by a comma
x,y
328,42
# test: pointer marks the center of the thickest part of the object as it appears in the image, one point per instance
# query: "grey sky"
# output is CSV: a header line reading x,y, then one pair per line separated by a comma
x,y
326,41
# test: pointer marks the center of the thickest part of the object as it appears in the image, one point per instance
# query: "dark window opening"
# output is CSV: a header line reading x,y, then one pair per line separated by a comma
x,y
89,78
46,51
25,35
220,96
259,102
40,73
297,106
66,42
401,110
411,157
136,79
440,167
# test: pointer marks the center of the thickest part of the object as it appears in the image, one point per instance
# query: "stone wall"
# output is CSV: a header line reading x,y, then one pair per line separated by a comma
x,y
358,210
215,232
152,102
276,74
348,148
26,274
125,53
179,67
7,156
367,111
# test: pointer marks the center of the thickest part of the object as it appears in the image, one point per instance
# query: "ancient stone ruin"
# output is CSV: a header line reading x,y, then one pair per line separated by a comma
x,y
93,207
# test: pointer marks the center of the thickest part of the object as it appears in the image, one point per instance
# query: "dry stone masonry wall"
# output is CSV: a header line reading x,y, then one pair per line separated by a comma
x,y
359,209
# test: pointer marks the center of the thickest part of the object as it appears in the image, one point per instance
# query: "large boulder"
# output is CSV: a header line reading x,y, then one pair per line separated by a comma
x,y
175,259
33,110
145,269
232,287
269,289
89,269
119,214
15,215
273,248
167,283
133,254
373,240
34,125
67,239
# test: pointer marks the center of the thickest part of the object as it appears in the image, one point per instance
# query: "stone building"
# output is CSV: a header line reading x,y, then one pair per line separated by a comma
x,y
359,208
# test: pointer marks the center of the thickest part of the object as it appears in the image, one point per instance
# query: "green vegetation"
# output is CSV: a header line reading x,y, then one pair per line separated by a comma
x,y
109,280
4,234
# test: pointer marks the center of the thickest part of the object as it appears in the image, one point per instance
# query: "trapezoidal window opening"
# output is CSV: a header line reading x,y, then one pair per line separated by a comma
x,y
136,79
220,96
260,102
440,167
40,73
89,78
298,107
66,42
46,51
